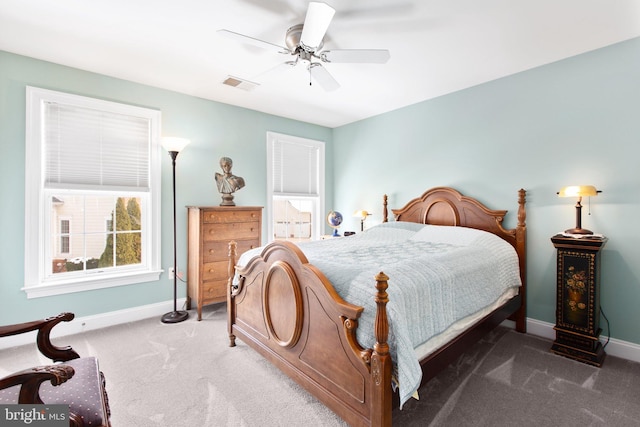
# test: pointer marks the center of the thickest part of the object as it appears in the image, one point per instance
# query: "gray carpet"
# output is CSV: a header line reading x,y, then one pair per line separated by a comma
x,y
186,375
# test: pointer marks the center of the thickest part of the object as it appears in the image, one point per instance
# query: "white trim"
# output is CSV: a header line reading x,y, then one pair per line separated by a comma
x,y
541,329
617,348
98,321
36,266
318,216
88,284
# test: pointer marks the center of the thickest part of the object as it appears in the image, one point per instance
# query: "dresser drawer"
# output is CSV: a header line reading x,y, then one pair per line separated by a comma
x,y
225,217
231,231
215,290
216,270
219,251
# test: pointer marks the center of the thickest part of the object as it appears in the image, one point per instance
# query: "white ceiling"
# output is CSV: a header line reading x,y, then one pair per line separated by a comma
x,y
437,46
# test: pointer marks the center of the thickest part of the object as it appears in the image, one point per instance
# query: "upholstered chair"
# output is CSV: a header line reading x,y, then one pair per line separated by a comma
x,y
75,381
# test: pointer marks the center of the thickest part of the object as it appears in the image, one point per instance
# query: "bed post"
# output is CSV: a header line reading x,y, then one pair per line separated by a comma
x,y
521,233
385,213
381,359
231,310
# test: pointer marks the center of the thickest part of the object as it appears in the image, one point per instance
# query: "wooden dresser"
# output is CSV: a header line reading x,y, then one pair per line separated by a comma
x,y
210,229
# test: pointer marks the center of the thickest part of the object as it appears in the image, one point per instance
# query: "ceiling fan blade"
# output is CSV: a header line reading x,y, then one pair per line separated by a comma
x,y
319,16
267,74
253,41
371,56
322,77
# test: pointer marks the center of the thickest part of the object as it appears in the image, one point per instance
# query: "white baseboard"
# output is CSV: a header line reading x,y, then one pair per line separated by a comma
x,y
97,321
615,347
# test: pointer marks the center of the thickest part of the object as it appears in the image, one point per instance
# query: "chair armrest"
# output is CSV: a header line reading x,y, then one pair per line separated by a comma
x,y
30,380
44,326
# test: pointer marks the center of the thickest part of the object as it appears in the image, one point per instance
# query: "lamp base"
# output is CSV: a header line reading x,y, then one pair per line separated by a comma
x,y
175,317
578,231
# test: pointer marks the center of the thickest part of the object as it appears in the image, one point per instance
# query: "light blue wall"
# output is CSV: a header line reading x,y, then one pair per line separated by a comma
x,y
576,121
215,130
571,122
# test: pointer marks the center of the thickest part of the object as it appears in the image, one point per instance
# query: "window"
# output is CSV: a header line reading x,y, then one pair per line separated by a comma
x,y
295,180
64,236
92,194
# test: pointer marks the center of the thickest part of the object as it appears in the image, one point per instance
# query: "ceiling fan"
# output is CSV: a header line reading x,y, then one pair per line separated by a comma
x,y
305,42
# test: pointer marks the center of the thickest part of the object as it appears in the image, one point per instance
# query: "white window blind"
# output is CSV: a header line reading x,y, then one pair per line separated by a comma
x,y
295,176
295,168
87,148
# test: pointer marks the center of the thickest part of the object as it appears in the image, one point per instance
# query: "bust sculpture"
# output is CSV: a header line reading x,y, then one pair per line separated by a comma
x,y
227,182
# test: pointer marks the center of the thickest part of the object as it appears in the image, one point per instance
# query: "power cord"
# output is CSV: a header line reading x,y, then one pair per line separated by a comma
x,y
608,328
184,306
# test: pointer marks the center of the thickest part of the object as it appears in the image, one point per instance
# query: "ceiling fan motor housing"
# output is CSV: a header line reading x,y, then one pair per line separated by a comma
x,y
292,40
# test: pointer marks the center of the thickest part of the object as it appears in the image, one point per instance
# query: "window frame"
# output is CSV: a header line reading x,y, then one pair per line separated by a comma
x,y
62,235
37,283
318,200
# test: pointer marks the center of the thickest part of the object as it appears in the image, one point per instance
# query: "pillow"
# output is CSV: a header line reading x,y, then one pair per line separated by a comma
x,y
454,235
402,225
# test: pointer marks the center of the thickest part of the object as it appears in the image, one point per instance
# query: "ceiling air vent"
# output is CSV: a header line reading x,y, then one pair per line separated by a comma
x,y
240,83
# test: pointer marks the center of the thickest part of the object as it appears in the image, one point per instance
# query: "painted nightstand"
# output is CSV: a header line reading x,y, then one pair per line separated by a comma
x,y
578,299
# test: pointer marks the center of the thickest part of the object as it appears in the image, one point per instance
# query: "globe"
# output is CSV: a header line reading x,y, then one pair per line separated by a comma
x,y
334,219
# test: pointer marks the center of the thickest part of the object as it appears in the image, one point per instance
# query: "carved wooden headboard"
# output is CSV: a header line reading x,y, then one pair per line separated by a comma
x,y
446,206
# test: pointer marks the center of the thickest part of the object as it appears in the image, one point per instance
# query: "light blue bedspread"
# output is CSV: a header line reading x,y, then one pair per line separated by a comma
x,y
437,275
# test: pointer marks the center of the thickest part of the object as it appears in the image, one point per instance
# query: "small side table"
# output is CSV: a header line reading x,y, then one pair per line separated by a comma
x,y
578,299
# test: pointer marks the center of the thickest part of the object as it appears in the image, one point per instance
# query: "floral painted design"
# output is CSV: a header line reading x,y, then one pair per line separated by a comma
x,y
575,282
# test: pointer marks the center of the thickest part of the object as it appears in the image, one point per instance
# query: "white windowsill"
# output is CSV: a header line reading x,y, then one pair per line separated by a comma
x,y
91,284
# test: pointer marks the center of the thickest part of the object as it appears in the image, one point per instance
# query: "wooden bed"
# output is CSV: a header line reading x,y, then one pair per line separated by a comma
x,y
286,309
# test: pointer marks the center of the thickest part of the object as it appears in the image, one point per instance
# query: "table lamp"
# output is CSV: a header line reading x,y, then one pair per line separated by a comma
x,y
578,191
362,214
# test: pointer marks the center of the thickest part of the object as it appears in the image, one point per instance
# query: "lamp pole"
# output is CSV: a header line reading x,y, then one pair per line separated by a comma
x,y
174,316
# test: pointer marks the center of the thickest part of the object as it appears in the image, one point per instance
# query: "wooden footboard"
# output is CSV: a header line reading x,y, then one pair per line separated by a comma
x,y
287,310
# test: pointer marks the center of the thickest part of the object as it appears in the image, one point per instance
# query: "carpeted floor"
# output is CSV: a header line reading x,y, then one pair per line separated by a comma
x,y
186,375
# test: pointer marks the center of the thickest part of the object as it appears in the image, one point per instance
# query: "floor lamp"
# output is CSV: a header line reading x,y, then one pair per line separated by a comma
x,y
174,146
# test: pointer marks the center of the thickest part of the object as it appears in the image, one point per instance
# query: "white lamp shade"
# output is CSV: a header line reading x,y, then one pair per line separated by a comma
x,y
578,191
171,143
361,214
